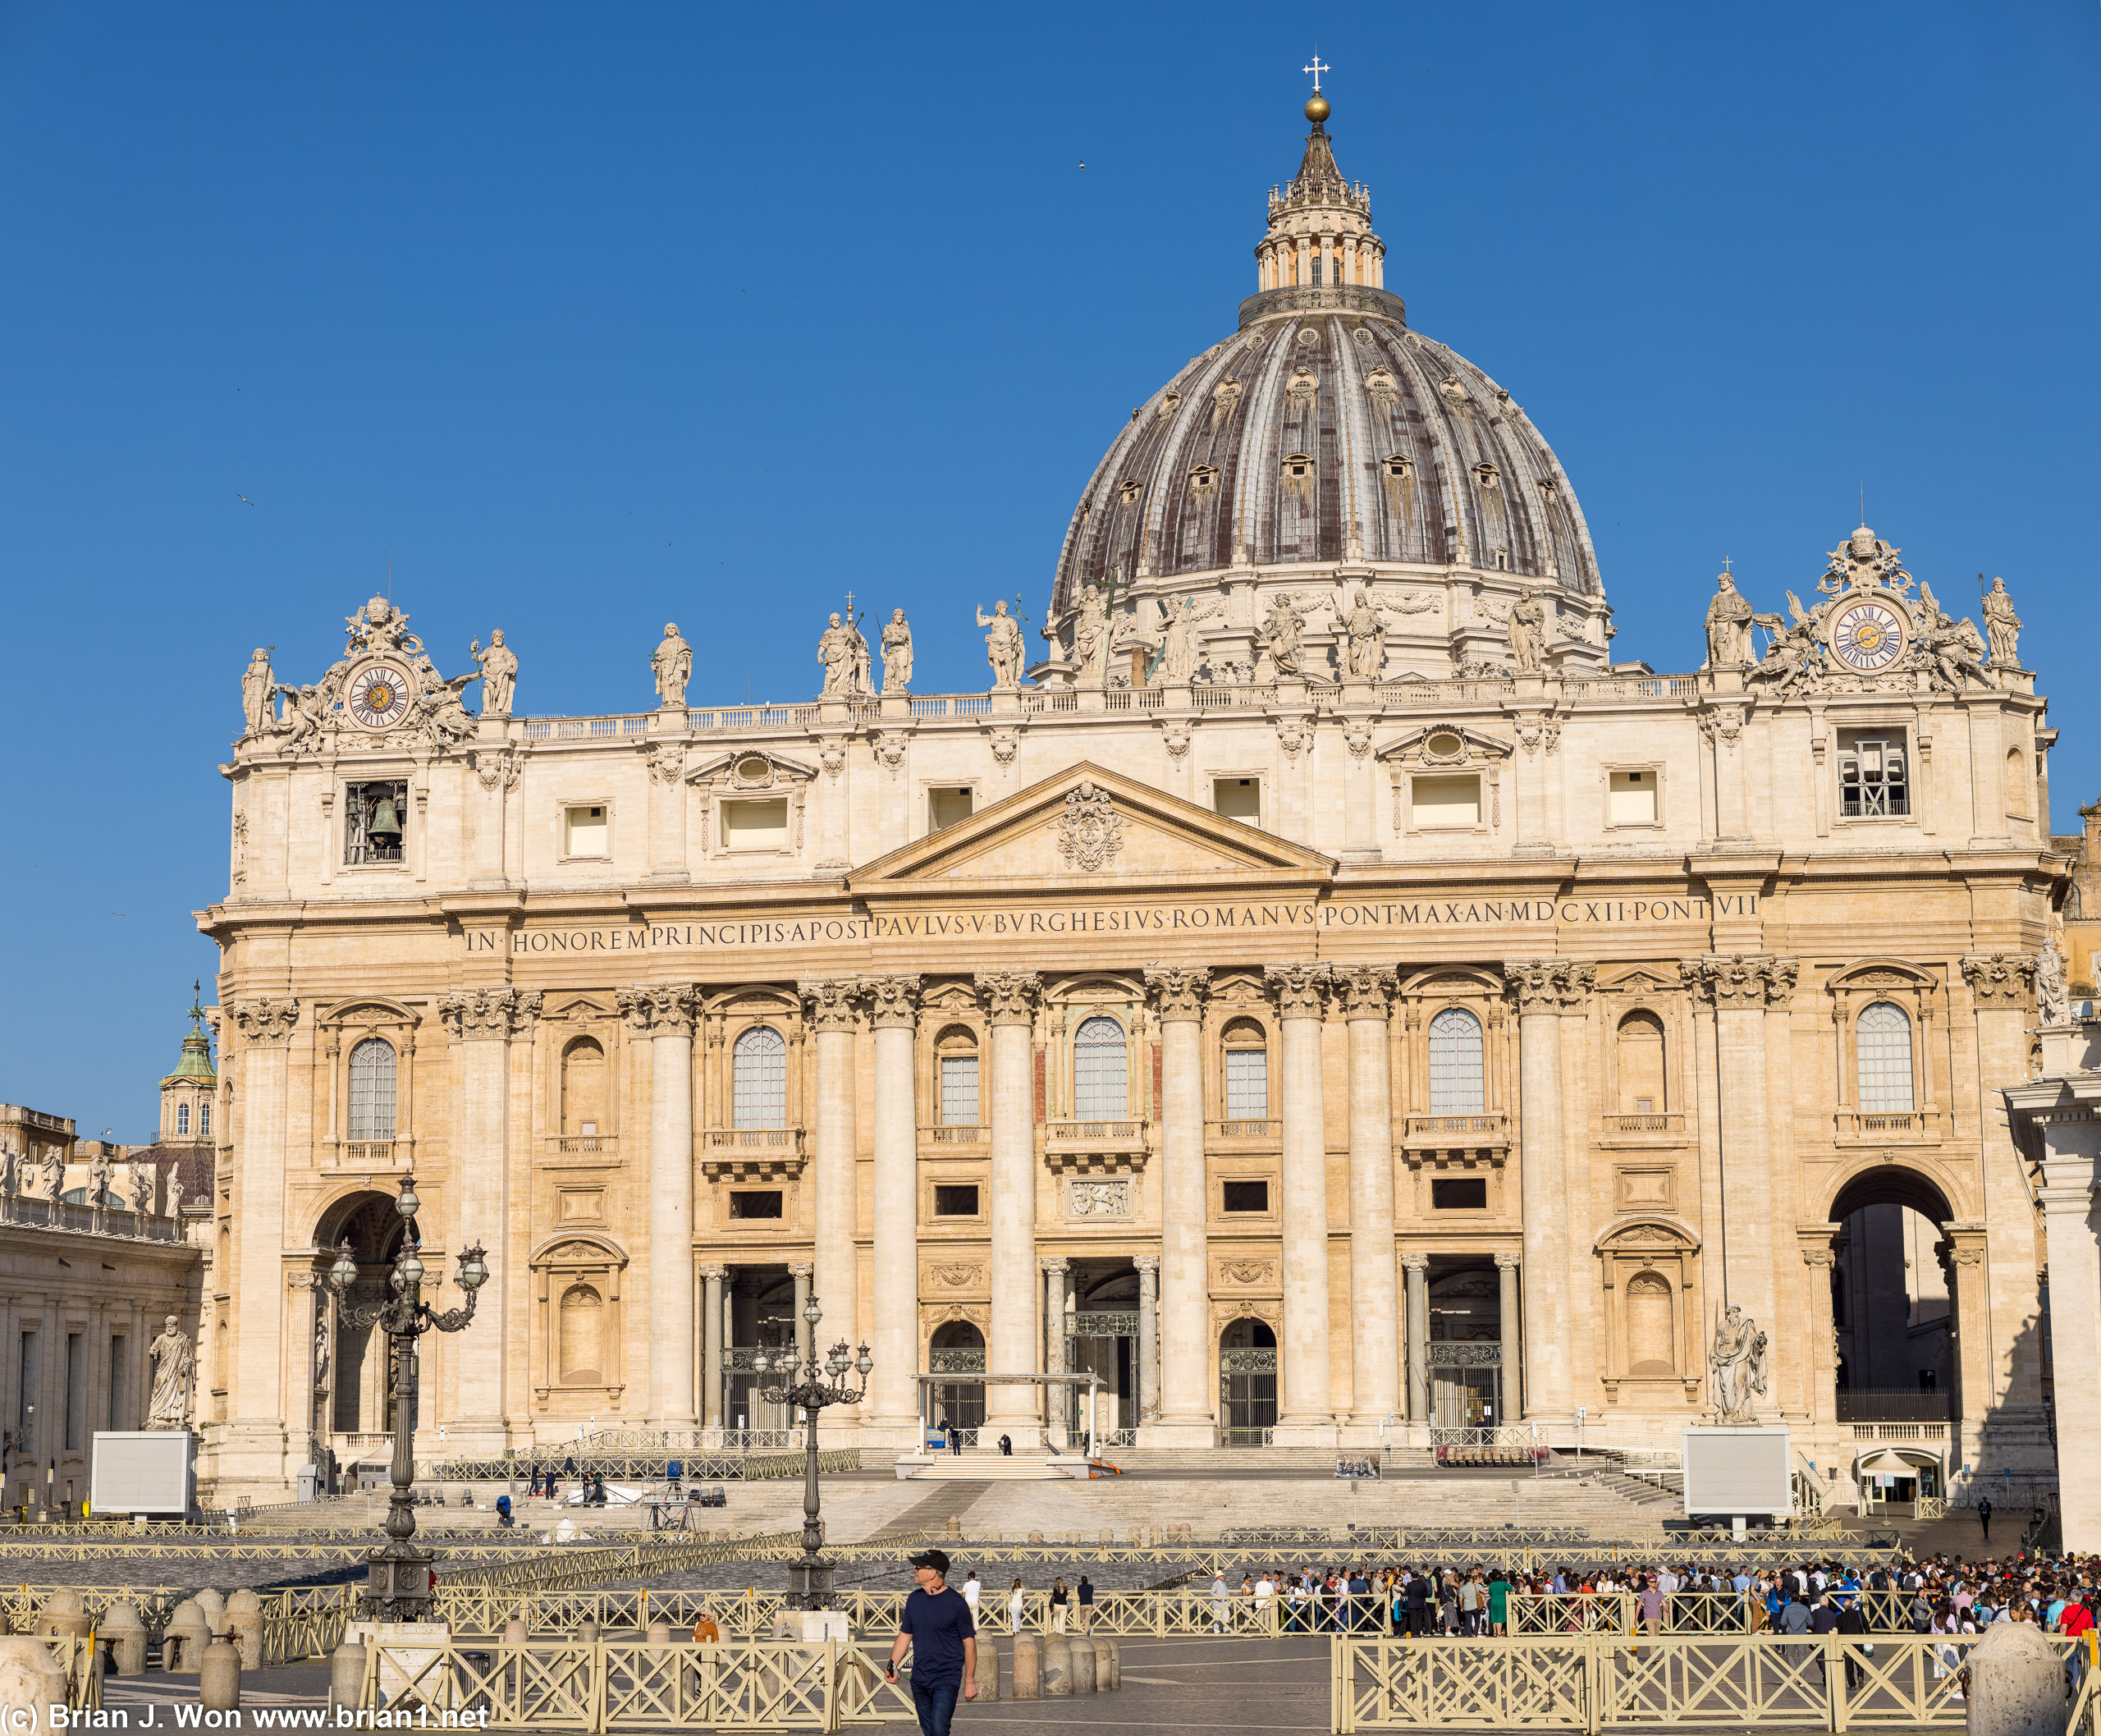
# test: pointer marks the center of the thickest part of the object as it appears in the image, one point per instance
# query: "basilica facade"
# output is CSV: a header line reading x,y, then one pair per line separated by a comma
x,y
1328,997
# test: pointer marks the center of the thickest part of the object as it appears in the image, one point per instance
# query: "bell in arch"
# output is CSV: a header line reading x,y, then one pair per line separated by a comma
x,y
384,828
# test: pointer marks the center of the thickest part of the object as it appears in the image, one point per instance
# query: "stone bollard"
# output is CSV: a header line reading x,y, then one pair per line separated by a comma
x,y
2017,1682
184,1638
515,1632
1057,1667
244,1627
660,1633
346,1673
1108,1666
32,1681
127,1638
1036,1536
1028,1667
64,1616
587,1631
218,1678
988,1672
1081,1667
213,1604
955,1527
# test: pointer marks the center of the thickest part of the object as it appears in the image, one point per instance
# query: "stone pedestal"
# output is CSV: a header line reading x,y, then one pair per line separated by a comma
x,y
411,1646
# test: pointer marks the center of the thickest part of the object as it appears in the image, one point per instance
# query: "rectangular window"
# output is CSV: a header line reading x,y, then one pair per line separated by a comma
x,y
1633,799
946,807
375,823
76,1395
1873,783
1238,799
756,824
1459,1194
959,1091
756,1204
1446,802
1246,1084
1247,1196
955,1199
583,831
119,1411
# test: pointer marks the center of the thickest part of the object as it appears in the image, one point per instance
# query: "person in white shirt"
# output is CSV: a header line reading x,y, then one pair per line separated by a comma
x,y
1265,1594
1017,1604
970,1595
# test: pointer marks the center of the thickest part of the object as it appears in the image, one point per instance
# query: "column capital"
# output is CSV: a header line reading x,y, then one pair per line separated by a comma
x,y
893,1001
1510,1261
489,1015
1549,985
716,1273
1054,1268
1816,1244
1146,1263
1010,996
833,1003
1415,1262
659,1008
801,1269
1999,979
1741,982
1367,991
1178,991
266,1021
1297,990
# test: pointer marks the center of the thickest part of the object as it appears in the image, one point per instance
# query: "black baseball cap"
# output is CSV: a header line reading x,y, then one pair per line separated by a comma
x,y
936,1559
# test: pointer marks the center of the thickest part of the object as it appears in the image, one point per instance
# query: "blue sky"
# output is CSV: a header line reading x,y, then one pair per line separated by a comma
x,y
591,316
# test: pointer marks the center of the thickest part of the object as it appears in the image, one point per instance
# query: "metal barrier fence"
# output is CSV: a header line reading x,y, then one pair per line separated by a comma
x,y
1594,1682
597,1687
628,1464
1684,1612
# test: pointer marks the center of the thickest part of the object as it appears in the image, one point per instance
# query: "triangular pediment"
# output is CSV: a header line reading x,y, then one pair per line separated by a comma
x,y
1089,827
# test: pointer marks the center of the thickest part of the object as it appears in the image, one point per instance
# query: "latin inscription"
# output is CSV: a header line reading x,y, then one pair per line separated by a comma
x,y
1056,920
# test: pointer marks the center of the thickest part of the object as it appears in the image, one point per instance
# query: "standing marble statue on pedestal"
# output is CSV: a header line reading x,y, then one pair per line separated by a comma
x,y
1728,626
174,1191
1528,631
670,666
2002,626
1282,630
51,1171
499,674
2053,998
174,1363
845,655
1090,638
897,653
1003,645
1737,1362
258,692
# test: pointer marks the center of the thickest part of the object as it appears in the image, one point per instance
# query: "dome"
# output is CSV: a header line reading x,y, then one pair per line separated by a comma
x,y
1325,434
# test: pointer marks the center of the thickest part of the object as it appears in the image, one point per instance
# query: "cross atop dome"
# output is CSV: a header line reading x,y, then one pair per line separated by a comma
x,y
1316,69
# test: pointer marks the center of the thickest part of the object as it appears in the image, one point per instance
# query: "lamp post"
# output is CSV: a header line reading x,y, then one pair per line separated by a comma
x,y
398,1589
809,1580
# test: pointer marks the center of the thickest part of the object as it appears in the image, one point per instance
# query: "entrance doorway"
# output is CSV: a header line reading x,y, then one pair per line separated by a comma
x,y
1466,1346
1101,1338
1894,1301
958,1349
1246,1384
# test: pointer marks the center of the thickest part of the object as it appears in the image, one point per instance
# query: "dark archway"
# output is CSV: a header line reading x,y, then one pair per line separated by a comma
x,y
1247,1383
350,1395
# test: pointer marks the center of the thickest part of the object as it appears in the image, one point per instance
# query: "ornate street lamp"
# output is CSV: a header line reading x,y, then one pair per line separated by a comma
x,y
398,1589
809,1580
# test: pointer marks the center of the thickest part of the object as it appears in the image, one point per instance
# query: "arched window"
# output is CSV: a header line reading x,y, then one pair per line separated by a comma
x,y
181,1120
581,1336
583,1087
1650,1339
1099,1090
2016,784
372,1090
1883,1045
1246,1072
1641,1057
759,1078
204,1120
1455,1088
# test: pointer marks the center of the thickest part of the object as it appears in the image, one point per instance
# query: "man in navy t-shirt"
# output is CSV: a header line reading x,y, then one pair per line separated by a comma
x,y
936,1625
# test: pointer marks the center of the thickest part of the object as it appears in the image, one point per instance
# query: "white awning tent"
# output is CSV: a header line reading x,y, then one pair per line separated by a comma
x,y
1895,1462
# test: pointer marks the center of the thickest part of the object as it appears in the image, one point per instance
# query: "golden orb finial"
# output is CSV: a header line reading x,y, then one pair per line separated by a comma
x,y
1317,109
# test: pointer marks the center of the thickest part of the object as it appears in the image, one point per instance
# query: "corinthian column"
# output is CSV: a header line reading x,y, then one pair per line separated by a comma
x,y
663,1012
892,1404
1009,998
1375,1324
1538,986
254,1445
481,1022
1306,1416
1179,1411
834,1013
1148,1369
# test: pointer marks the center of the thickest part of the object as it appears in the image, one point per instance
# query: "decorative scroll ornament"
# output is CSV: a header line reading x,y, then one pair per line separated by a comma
x,y
1010,996
470,1012
1998,978
1179,990
667,761
266,1020
1736,1364
659,1008
893,1001
1089,831
497,767
833,1006
1005,744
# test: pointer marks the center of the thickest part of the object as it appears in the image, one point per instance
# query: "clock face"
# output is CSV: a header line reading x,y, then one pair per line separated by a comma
x,y
1867,637
379,696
